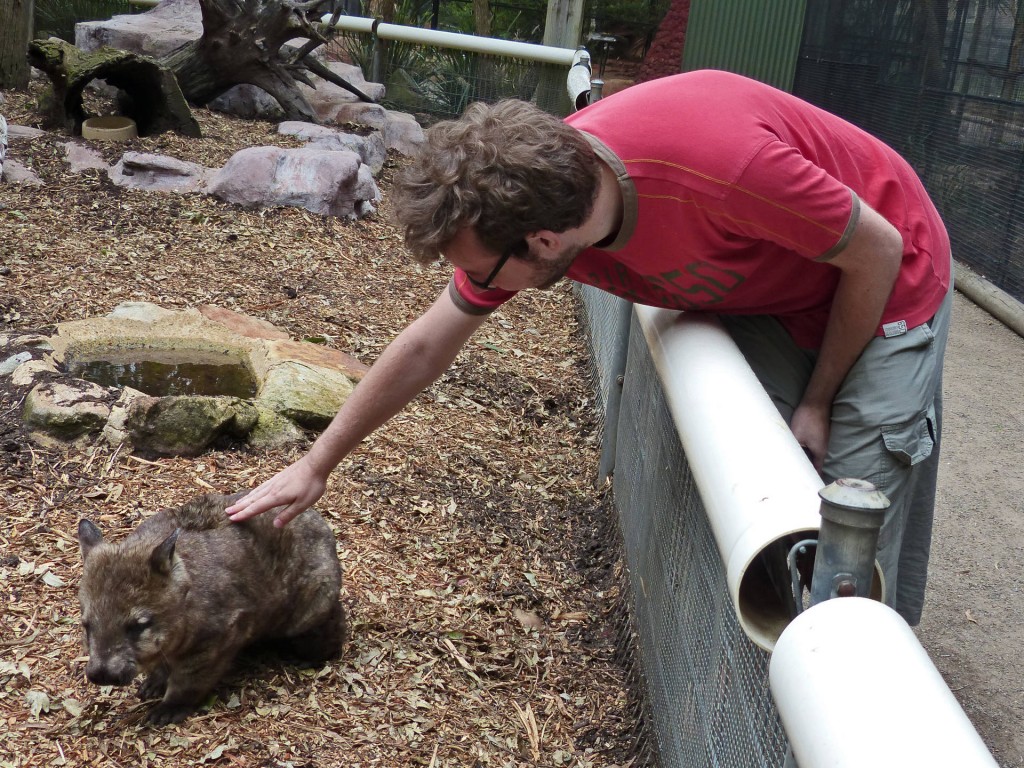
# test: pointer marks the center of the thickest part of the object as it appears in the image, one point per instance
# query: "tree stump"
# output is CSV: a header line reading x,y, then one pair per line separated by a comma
x,y
247,41
149,92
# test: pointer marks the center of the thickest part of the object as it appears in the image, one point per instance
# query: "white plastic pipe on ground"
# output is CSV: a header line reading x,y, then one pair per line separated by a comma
x,y
544,54
854,688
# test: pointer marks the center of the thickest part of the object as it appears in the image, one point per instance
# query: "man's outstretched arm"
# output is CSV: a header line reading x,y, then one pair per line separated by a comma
x,y
417,356
869,266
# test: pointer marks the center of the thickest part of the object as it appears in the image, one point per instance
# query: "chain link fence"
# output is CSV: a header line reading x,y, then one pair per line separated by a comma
x,y
942,83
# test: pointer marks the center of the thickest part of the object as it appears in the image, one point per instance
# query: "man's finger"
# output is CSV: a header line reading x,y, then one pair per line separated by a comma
x,y
286,516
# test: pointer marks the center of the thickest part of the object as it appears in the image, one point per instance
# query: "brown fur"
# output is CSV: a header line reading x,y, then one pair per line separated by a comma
x,y
188,589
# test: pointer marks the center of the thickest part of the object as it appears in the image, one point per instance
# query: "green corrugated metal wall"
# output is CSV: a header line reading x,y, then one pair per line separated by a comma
x,y
757,38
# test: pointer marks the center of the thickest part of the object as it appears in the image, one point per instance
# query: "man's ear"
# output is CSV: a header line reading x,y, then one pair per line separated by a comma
x,y
544,243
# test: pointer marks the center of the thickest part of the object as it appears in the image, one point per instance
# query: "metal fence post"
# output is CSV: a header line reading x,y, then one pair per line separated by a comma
x,y
851,516
617,371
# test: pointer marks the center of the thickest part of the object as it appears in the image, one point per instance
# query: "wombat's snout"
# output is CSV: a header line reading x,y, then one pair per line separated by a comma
x,y
111,672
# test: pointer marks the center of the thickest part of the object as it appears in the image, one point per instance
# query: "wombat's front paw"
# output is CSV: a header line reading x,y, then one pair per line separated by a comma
x,y
153,687
165,714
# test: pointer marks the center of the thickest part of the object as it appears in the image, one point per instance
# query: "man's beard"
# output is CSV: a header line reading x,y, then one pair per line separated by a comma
x,y
553,271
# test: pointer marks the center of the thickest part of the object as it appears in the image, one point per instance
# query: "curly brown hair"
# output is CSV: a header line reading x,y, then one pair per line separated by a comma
x,y
506,169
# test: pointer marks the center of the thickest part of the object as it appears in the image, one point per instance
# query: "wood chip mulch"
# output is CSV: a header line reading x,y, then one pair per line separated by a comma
x,y
481,571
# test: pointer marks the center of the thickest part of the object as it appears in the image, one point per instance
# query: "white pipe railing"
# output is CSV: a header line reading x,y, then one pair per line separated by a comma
x,y
855,688
755,481
543,54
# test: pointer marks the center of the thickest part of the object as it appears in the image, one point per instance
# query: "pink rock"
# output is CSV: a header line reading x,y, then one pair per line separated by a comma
x,y
153,33
139,170
83,158
317,355
243,325
322,181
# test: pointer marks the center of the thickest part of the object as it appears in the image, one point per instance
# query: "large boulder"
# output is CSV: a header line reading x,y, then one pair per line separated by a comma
x,y
322,181
370,148
185,425
400,130
68,410
153,33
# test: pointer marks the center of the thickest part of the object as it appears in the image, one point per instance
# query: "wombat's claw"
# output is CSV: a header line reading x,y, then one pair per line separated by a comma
x,y
166,714
153,687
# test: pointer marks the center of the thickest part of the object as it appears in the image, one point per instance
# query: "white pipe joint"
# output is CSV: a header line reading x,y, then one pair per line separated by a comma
x,y
854,688
578,80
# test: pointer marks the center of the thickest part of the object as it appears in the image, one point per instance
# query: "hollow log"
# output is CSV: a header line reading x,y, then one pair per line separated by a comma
x,y
149,92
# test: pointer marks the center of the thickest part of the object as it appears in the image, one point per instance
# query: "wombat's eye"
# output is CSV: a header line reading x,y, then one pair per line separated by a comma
x,y
136,627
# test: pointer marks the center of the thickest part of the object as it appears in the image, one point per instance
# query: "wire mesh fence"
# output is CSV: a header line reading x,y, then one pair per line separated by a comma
x,y
943,83
435,83
704,682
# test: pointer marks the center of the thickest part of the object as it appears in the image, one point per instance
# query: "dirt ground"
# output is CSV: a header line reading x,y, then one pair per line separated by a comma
x,y
478,576
973,624
478,573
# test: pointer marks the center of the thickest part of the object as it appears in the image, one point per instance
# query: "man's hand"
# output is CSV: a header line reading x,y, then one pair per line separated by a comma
x,y
294,490
810,425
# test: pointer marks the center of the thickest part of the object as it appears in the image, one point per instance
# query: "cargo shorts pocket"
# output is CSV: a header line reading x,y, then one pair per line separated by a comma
x,y
906,444
911,442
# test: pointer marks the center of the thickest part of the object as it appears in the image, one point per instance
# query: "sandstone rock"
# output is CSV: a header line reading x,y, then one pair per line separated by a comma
x,y
3,143
322,181
185,425
308,396
273,430
243,325
143,311
115,430
402,133
31,340
139,170
23,132
400,130
301,384
68,410
316,355
27,373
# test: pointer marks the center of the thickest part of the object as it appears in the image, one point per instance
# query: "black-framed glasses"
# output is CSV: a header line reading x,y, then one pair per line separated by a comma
x,y
519,246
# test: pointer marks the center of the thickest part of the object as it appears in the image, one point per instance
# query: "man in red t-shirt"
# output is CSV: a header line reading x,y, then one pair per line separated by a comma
x,y
706,191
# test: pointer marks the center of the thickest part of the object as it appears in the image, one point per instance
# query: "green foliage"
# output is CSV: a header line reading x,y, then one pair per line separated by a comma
x,y
522,21
395,55
57,18
456,79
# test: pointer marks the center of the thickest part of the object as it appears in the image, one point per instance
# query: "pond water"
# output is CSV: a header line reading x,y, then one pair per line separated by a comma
x,y
161,373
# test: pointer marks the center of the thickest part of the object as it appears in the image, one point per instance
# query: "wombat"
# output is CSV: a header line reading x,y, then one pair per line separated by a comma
x,y
188,589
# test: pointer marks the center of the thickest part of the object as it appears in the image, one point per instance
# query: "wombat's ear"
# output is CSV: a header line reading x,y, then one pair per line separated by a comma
x,y
162,558
88,536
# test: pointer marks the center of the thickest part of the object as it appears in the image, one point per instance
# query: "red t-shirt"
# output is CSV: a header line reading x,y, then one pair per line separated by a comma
x,y
736,194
